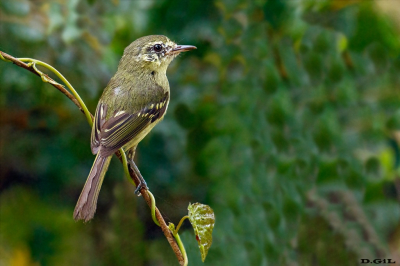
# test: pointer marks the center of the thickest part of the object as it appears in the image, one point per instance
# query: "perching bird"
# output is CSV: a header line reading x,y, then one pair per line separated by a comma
x,y
134,101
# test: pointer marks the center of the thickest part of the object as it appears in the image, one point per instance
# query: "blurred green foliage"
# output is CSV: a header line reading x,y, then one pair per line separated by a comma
x,y
285,121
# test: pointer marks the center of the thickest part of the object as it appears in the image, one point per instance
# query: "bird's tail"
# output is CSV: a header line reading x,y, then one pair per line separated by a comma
x,y
87,202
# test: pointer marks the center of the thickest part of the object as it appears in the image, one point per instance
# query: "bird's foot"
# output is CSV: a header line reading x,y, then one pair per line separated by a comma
x,y
141,185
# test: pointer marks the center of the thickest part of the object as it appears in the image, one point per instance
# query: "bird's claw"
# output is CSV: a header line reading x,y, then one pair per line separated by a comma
x,y
141,185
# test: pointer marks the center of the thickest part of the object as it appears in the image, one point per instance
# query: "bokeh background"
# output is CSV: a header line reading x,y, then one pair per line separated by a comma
x,y
285,121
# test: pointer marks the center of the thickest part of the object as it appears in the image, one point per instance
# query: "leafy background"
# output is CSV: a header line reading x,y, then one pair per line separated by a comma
x,y
285,121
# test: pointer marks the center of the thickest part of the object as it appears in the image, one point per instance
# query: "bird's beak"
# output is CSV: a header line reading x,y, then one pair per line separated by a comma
x,y
182,48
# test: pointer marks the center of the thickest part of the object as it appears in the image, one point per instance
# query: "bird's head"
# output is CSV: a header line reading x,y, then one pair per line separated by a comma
x,y
154,52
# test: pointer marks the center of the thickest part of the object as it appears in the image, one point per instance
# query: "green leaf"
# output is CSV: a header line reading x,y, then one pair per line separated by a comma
x,y
202,219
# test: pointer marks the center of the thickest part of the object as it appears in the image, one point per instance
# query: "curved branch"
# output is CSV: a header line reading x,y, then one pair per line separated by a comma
x,y
7,57
163,225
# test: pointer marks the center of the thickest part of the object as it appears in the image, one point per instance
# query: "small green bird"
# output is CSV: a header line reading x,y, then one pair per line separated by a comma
x,y
134,101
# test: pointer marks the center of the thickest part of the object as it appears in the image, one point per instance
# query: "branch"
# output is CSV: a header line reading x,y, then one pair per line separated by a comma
x,y
159,217
30,68
46,78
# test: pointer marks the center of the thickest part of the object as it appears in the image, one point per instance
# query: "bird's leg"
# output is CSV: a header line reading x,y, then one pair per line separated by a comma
x,y
135,169
142,183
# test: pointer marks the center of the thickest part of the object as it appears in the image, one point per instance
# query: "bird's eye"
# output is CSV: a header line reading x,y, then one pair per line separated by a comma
x,y
157,47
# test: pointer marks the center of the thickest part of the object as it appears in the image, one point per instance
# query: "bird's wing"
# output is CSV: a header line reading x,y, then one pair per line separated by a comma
x,y
121,128
98,122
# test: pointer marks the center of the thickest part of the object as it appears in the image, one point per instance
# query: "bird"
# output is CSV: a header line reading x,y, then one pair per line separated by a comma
x,y
133,102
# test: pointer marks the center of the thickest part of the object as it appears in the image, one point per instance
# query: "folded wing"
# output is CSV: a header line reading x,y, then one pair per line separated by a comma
x,y
108,136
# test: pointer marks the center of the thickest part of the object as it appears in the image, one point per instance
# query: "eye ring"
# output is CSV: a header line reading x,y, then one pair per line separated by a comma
x,y
157,47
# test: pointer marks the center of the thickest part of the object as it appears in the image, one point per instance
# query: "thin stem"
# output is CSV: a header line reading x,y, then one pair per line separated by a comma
x,y
2,58
125,165
153,208
171,227
182,248
180,224
65,81
9,58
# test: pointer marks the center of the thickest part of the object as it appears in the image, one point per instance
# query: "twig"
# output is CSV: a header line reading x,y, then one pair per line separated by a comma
x,y
163,225
180,224
50,80
179,241
153,208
